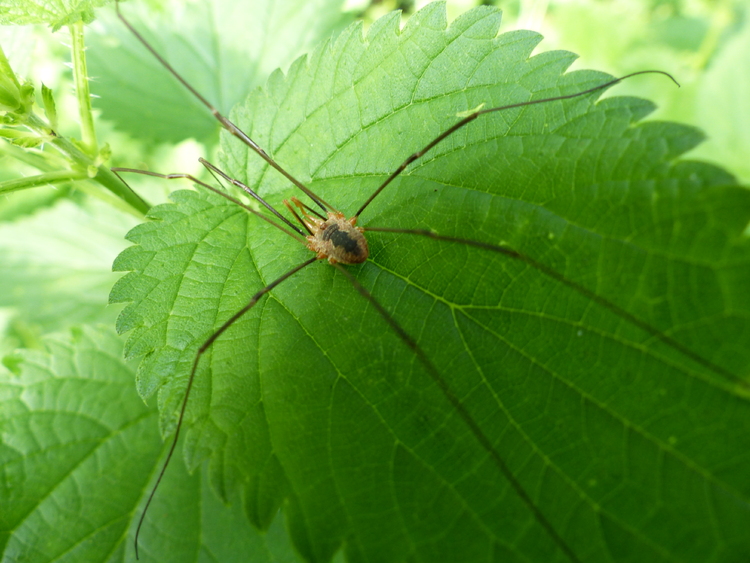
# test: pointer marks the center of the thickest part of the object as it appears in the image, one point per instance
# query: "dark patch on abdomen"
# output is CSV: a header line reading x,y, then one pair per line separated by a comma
x,y
341,239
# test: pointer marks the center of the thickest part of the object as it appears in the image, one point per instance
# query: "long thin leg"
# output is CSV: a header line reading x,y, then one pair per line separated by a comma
x,y
475,429
296,215
205,346
219,192
466,120
248,190
619,311
226,123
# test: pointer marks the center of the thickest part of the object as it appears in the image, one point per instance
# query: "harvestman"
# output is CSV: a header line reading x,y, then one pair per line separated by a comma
x,y
331,236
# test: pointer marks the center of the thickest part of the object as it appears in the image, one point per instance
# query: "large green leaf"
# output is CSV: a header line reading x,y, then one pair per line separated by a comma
x,y
603,395
77,454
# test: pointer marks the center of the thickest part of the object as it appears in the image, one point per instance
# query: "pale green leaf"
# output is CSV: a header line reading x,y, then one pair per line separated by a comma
x,y
55,264
55,13
78,454
223,48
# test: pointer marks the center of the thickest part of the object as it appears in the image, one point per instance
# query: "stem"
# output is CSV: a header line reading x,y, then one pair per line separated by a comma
x,y
44,161
81,79
78,159
45,179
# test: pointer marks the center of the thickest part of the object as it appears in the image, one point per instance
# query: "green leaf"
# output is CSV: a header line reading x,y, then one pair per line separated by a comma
x,y
10,88
56,13
223,48
50,109
16,99
78,453
610,381
55,264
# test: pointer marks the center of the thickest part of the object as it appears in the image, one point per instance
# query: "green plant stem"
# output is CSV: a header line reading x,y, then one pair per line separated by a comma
x,y
81,79
95,171
110,181
49,162
45,179
44,161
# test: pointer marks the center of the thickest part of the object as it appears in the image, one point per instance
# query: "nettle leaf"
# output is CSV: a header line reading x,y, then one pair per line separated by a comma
x,y
52,281
55,13
610,381
223,48
77,454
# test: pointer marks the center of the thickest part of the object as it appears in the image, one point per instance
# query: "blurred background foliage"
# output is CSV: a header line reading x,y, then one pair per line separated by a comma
x,y
705,44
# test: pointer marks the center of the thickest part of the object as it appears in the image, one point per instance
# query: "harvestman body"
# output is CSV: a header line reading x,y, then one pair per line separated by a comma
x,y
330,235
